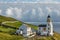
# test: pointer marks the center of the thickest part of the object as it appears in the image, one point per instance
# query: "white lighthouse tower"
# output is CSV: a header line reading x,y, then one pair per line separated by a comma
x,y
49,26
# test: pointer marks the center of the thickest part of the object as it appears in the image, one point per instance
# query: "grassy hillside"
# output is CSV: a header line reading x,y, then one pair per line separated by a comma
x,y
3,18
7,31
4,36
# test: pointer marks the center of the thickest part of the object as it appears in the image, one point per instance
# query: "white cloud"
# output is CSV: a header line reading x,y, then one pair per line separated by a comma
x,y
44,0
49,9
18,12
57,12
0,12
41,14
31,1
26,11
48,1
33,12
9,12
33,15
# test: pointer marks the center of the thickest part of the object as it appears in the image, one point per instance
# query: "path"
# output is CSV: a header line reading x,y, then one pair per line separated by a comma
x,y
9,22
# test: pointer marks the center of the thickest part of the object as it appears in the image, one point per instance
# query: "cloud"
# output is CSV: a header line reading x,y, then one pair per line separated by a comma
x,y
41,14
49,9
0,12
48,1
14,12
45,0
9,12
29,1
28,12
33,14
57,12
18,12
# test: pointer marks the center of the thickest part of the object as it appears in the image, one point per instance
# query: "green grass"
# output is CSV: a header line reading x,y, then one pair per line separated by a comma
x,y
4,36
3,18
6,30
56,36
8,34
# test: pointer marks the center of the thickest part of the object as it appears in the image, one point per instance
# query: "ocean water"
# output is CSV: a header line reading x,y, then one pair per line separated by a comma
x,y
56,25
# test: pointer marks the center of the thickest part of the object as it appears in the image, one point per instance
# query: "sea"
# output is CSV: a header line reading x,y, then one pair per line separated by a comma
x,y
56,25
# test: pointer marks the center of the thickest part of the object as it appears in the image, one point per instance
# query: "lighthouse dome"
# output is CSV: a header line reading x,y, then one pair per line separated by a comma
x,y
48,16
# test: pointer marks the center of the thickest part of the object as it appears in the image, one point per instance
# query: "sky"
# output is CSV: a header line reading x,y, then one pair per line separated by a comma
x,y
29,0
31,12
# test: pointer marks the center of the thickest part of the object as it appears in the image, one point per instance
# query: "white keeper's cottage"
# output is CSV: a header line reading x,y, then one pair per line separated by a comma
x,y
46,29
26,31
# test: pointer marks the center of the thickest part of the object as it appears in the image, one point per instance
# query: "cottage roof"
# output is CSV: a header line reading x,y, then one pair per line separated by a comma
x,y
26,25
42,25
29,26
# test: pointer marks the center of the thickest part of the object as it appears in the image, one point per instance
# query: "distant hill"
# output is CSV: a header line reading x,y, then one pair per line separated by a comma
x,y
10,25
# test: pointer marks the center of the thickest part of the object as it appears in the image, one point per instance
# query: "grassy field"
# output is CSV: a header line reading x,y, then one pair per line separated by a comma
x,y
9,34
5,36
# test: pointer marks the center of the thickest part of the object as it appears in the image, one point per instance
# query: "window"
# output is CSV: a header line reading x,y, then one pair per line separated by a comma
x,y
39,27
48,31
24,33
21,29
48,24
44,29
48,28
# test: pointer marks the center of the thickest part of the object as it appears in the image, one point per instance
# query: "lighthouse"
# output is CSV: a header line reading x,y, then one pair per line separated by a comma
x,y
49,26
